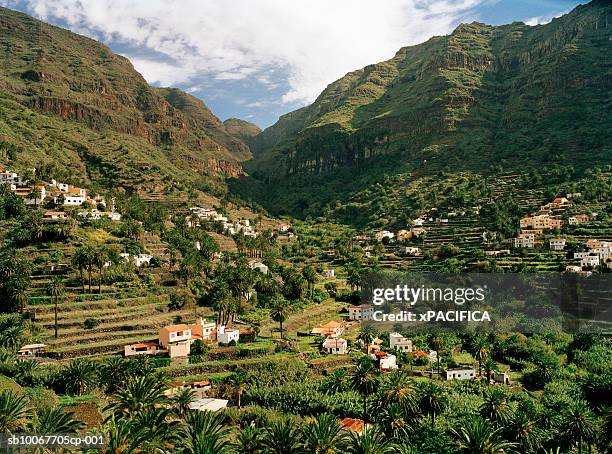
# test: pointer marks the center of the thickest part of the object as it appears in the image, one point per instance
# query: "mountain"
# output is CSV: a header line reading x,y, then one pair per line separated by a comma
x,y
67,101
242,130
482,99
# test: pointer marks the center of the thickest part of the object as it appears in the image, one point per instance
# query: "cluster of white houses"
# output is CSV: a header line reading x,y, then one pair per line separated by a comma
x,y
532,227
598,254
229,227
401,235
61,194
176,340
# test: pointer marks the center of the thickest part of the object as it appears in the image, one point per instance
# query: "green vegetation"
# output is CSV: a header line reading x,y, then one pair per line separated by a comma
x,y
484,100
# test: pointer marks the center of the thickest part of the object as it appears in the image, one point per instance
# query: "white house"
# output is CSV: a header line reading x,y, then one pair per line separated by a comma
x,y
590,261
573,269
283,227
386,362
363,312
329,273
73,200
31,350
262,268
335,346
557,244
208,404
225,336
418,222
399,342
412,250
460,374
142,259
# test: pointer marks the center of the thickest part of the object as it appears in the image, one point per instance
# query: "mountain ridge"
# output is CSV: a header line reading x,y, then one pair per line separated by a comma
x,y
104,124
484,96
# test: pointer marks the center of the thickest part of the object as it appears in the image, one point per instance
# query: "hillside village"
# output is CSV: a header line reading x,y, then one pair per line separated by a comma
x,y
180,283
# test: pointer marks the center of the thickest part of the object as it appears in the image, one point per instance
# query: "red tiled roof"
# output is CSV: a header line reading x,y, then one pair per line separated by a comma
x,y
351,424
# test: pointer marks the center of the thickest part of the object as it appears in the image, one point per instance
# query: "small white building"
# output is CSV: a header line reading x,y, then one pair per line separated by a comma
x,y
142,259
385,361
261,267
359,313
412,250
525,240
557,244
225,336
31,350
329,274
399,342
460,374
335,346
73,200
573,269
208,404
590,261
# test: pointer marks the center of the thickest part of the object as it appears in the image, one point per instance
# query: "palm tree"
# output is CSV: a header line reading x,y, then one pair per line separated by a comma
x,y
19,291
90,255
369,442
526,433
310,276
432,399
14,411
394,419
249,440
205,433
158,431
579,424
496,407
338,381
100,256
55,420
280,311
123,437
476,436
79,260
182,400
138,394
282,437
481,352
323,436
489,367
79,376
238,383
366,336
399,389
364,380
35,194
56,290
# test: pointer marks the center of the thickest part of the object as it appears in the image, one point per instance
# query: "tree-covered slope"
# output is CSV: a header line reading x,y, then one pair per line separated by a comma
x,y
514,96
68,100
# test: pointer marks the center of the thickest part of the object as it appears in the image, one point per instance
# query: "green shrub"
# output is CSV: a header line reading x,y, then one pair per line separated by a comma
x,y
90,323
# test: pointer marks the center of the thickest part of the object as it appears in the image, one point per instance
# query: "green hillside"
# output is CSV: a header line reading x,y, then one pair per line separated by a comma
x,y
68,101
242,130
483,99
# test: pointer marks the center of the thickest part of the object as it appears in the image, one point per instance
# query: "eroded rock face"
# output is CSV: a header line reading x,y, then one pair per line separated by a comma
x,y
226,168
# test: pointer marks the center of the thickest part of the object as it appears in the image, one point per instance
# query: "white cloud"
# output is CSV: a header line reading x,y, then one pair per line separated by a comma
x,y
313,41
542,20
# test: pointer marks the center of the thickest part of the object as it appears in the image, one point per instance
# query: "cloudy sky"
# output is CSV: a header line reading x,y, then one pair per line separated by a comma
x,y
258,59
